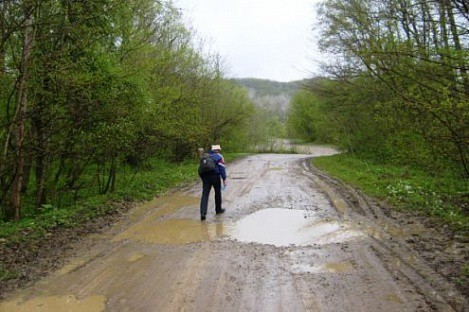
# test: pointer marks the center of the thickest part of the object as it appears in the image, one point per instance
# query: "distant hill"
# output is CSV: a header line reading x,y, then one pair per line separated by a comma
x,y
272,95
264,87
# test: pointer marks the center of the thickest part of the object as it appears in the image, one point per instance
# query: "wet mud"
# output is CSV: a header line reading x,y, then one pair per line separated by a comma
x,y
291,239
54,303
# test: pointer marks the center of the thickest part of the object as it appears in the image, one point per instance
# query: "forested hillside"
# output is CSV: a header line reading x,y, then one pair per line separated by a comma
x,y
92,89
272,99
264,87
274,96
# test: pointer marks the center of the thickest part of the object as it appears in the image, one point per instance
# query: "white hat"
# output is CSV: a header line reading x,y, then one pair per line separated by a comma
x,y
216,147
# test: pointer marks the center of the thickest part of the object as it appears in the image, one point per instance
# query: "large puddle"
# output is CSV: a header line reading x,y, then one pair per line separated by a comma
x,y
173,231
284,227
153,229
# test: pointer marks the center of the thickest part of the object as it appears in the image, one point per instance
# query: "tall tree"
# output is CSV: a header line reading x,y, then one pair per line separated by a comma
x,y
89,87
421,55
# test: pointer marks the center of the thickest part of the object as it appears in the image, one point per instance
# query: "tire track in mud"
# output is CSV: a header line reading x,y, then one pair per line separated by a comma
x,y
397,256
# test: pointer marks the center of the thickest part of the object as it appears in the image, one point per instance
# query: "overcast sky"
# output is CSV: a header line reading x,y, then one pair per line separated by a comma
x,y
269,39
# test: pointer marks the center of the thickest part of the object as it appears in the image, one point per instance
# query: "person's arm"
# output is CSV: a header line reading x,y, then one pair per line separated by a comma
x,y
222,169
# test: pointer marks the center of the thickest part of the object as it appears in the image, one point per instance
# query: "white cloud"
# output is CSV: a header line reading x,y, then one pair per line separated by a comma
x,y
269,39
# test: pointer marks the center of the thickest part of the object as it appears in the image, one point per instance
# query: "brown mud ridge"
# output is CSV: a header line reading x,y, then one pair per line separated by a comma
x,y
292,239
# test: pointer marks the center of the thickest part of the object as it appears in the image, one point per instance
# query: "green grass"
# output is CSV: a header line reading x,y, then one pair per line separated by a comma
x,y
157,177
232,156
7,275
153,179
131,185
444,197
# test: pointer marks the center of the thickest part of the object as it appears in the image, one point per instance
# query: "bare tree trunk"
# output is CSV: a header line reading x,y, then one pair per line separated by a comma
x,y
443,24
3,35
457,45
405,19
37,133
111,178
14,210
432,27
26,174
40,180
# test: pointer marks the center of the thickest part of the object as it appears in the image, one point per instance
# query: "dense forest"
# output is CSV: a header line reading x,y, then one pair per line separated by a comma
x,y
89,89
397,90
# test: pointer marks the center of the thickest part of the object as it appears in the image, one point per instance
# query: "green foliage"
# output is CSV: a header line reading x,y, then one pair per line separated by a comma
x,y
443,196
365,119
7,275
155,177
307,120
109,86
267,122
465,270
226,116
399,86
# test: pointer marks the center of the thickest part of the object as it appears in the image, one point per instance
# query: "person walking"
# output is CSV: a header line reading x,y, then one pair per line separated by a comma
x,y
212,178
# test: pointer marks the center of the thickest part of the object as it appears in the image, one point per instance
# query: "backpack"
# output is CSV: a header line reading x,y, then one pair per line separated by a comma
x,y
207,164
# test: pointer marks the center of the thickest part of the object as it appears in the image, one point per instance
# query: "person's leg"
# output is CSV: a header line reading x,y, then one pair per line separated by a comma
x,y
205,194
217,187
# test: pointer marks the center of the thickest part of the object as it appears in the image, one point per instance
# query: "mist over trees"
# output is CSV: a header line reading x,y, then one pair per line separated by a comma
x,y
398,88
272,100
271,95
90,87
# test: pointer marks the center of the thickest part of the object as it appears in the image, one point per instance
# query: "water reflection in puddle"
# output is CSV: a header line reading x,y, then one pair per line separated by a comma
x,y
338,267
135,257
152,229
173,231
284,227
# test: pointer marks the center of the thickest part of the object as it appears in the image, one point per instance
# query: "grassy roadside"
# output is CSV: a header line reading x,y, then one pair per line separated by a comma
x,y
157,177
444,197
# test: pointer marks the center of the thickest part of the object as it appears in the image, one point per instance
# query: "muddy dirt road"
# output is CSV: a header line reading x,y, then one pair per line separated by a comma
x,y
291,239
